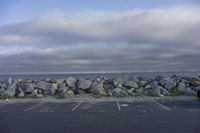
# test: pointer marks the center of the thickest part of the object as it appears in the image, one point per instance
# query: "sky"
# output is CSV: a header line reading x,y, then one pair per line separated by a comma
x,y
67,36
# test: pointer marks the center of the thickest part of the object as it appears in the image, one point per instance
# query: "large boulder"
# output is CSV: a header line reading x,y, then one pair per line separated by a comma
x,y
190,92
167,83
176,78
156,91
27,87
84,84
62,90
153,84
164,91
181,87
20,95
131,84
43,85
10,91
9,81
119,92
3,88
70,93
120,80
71,82
97,88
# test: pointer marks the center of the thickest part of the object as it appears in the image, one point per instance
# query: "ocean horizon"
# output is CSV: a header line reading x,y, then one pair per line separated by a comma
x,y
92,75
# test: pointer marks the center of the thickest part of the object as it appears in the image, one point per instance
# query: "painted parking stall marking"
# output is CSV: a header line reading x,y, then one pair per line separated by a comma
x,y
118,106
32,107
75,107
163,106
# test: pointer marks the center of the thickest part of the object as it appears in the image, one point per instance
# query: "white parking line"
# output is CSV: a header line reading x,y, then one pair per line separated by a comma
x,y
118,106
163,106
33,107
75,107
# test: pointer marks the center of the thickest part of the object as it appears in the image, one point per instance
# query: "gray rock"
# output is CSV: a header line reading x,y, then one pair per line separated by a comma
x,y
97,88
181,87
84,84
140,90
71,82
156,91
62,85
60,81
164,92
120,80
27,87
10,91
108,87
190,92
21,94
176,78
39,95
9,81
35,92
167,83
131,91
147,87
154,84
131,84
40,91
196,88
43,85
70,93
142,83
63,90
119,92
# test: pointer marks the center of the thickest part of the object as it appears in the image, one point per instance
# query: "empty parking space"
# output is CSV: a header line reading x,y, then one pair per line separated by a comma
x,y
98,107
181,105
140,106
53,107
15,107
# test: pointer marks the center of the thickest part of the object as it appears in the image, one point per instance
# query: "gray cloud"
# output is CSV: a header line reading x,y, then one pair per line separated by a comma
x,y
156,39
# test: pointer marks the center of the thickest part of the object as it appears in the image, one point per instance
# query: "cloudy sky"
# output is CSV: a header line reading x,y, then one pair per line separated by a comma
x,y
50,36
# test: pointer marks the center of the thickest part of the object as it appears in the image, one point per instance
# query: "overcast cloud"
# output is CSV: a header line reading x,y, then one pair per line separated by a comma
x,y
135,40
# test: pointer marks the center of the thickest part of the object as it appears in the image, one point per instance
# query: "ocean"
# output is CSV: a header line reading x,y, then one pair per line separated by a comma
x,y
93,75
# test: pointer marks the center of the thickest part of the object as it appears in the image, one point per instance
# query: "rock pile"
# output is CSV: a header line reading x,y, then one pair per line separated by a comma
x,y
101,86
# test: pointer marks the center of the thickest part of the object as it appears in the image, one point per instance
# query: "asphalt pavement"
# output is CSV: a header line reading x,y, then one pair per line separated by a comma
x,y
141,116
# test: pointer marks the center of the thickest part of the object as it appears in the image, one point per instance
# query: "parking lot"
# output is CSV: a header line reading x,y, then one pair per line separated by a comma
x,y
152,115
